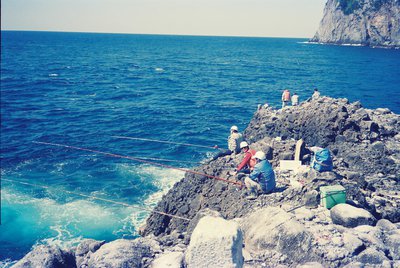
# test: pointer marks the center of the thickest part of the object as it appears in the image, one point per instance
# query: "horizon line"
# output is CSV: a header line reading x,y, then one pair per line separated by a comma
x,y
164,34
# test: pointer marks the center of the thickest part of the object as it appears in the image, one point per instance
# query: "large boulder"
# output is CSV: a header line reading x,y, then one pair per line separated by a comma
x,y
215,242
124,253
349,216
47,257
272,228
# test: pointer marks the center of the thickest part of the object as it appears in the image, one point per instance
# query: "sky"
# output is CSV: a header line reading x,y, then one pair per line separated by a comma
x,y
264,18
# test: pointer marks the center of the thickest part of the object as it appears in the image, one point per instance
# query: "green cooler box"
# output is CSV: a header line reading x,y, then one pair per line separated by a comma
x,y
332,195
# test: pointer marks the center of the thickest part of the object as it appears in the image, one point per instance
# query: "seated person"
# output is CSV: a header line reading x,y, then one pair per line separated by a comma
x,y
262,178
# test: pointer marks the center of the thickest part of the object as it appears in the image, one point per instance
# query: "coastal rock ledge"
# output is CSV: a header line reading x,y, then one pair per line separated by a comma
x,y
286,228
374,23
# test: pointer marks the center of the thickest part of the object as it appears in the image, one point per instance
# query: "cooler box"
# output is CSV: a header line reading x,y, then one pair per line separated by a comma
x,y
332,195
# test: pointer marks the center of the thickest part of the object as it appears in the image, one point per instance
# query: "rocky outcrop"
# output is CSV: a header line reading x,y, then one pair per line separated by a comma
x,y
354,135
373,23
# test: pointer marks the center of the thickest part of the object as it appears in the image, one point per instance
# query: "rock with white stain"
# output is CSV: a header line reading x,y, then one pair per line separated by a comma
x,y
124,253
168,260
215,242
273,228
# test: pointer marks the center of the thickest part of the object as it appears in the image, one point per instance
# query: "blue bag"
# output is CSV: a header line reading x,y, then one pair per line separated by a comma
x,y
322,161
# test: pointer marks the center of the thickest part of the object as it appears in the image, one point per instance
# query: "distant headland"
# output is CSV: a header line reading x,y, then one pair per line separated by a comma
x,y
374,23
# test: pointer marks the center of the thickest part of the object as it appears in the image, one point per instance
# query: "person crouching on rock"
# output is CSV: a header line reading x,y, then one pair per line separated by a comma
x,y
248,163
262,178
316,94
234,141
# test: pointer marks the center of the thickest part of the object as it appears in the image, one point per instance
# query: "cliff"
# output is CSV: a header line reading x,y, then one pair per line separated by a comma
x,y
286,228
374,23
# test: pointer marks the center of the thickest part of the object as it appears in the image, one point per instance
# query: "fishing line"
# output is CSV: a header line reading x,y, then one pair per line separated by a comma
x,y
239,184
168,142
99,198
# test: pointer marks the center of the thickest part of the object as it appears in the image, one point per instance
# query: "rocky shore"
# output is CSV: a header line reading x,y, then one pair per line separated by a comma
x,y
287,228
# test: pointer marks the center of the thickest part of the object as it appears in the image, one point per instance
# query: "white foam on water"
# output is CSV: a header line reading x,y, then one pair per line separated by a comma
x,y
163,179
33,221
53,75
61,224
7,263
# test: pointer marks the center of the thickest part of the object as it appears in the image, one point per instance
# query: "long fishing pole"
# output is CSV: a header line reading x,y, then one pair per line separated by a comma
x,y
168,142
167,160
241,185
101,199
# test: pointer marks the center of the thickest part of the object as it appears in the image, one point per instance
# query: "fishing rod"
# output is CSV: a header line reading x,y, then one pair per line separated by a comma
x,y
168,142
167,160
239,184
99,198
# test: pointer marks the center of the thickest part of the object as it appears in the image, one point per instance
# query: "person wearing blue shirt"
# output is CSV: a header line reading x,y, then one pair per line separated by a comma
x,y
262,178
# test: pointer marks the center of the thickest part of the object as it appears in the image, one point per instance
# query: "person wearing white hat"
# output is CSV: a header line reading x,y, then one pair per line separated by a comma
x,y
234,140
262,178
247,164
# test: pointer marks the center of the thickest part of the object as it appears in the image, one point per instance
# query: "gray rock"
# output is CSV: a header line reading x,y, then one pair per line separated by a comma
x,y
304,214
386,225
215,242
47,257
169,259
371,256
193,223
352,243
124,253
393,243
349,216
85,249
312,199
273,228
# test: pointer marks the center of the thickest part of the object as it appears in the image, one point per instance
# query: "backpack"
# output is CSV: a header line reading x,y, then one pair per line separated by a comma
x,y
322,161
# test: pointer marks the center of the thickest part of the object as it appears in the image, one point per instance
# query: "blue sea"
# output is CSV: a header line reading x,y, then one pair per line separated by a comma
x,y
81,89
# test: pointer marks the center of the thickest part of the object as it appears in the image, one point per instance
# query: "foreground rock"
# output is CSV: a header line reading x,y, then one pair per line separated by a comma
x,y
349,216
215,242
169,259
366,22
123,253
274,229
85,250
47,257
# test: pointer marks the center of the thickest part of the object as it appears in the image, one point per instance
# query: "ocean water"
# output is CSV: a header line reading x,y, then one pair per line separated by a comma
x,y
81,89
